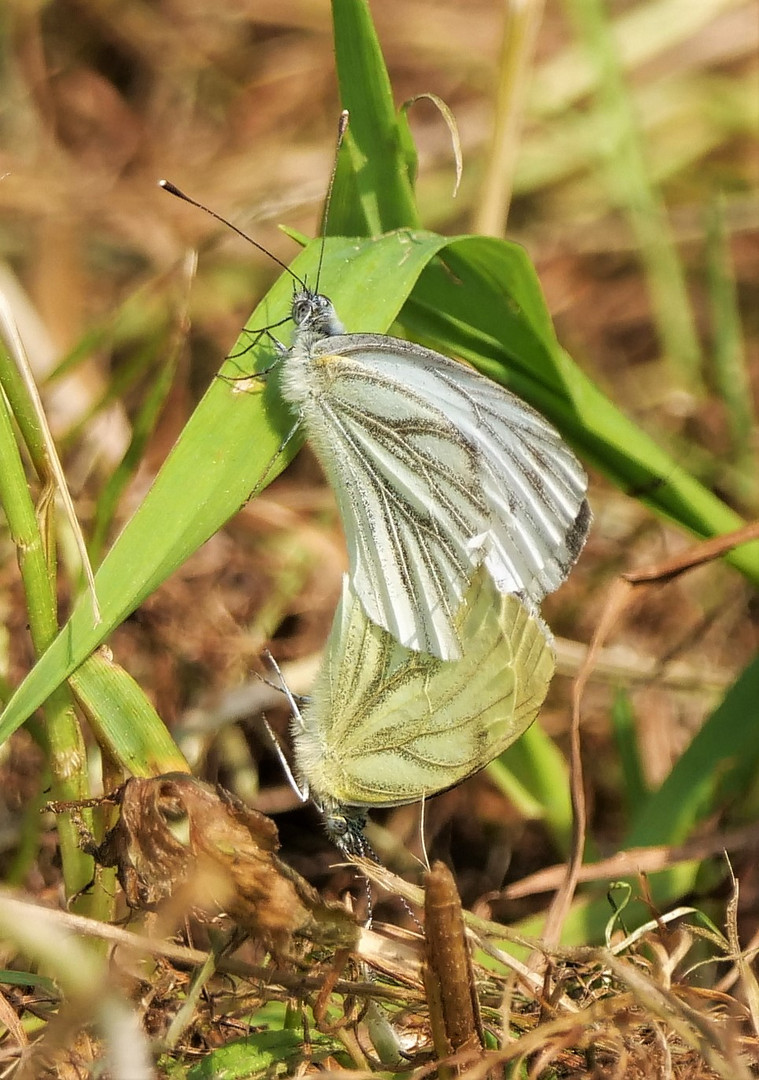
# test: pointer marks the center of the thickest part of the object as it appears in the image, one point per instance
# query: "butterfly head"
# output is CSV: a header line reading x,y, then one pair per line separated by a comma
x,y
345,828
314,313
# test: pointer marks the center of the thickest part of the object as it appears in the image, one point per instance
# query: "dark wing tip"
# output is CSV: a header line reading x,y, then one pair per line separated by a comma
x,y
578,531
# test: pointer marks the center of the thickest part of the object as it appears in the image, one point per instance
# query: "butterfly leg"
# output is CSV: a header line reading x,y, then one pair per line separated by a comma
x,y
280,450
265,331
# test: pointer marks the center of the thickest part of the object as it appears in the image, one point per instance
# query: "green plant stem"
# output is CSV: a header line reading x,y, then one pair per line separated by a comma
x,y
729,358
63,737
621,151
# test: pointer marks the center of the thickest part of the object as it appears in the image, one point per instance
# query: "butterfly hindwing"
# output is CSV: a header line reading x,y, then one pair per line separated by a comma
x,y
388,725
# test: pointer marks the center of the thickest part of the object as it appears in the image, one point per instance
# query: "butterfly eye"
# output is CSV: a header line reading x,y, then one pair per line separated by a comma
x,y
336,825
302,311
315,313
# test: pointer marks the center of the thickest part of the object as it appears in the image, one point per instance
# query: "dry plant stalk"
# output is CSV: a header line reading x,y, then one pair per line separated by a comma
x,y
448,973
619,598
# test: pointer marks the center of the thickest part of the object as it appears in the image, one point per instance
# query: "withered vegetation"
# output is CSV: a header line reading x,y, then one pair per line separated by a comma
x,y
241,944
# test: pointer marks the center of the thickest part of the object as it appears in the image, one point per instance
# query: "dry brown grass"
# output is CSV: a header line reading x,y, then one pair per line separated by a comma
x,y
237,103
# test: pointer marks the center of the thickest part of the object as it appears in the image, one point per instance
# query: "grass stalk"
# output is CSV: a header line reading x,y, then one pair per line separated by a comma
x,y
622,153
63,739
520,32
729,359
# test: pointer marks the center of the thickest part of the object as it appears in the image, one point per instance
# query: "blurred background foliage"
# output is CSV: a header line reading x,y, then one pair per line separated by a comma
x,y
628,172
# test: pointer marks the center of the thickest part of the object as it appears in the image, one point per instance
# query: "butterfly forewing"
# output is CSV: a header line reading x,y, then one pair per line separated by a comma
x,y
405,479
436,469
534,487
388,725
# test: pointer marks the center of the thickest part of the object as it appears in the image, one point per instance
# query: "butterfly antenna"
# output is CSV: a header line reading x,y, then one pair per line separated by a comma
x,y
359,845
284,763
294,705
342,127
174,190
369,903
300,699
301,792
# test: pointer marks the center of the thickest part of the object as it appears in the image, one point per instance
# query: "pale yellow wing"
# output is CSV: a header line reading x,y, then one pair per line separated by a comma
x,y
387,725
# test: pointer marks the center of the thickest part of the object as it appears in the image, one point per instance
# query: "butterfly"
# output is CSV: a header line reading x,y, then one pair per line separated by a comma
x,y
436,470
387,725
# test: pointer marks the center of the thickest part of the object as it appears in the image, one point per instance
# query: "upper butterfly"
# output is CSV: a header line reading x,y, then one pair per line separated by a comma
x,y
436,470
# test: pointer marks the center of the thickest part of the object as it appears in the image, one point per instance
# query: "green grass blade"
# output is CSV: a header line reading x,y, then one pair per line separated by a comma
x,y
25,530
378,141
642,33
722,758
729,361
534,774
124,722
230,447
718,768
142,430
24,409
588,918
622,154
634,790
62,735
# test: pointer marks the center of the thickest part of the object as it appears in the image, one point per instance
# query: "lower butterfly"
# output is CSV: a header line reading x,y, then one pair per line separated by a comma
x,y
386,725
436,470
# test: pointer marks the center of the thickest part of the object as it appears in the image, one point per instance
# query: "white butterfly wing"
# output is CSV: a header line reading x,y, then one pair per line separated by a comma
x,y
435,469
533,485
387,725
405,479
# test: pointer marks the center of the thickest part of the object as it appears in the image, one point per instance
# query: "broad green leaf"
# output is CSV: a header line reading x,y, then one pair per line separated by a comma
x,y
263,1053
